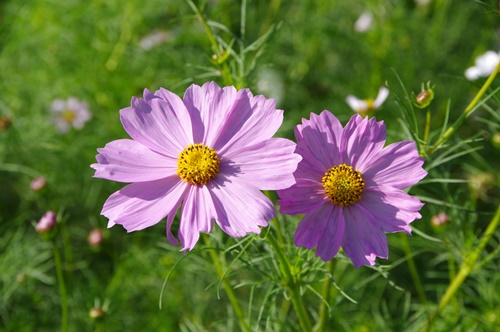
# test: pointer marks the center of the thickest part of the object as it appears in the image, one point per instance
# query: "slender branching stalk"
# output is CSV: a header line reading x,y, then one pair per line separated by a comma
x,y
325,292
466,268
62,288
220,269
291,284
450,131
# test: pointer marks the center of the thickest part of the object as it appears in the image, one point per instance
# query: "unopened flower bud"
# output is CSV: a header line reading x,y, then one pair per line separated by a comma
x,y
495,140
4,123
38,183
439,219
425,97
46,223
95,237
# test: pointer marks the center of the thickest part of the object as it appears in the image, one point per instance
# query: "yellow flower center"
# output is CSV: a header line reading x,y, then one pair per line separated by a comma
x,y
68,116
198,164
343,185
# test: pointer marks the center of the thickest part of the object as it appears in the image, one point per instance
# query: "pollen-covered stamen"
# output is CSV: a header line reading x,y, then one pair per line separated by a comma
x,y
343,185
198,164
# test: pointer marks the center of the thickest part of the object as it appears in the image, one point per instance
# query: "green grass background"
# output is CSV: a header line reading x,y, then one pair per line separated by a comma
x,y
90,50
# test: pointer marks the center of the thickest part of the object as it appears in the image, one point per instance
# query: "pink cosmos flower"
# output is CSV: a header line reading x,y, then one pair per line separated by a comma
x,y
70,113
209,154
350,187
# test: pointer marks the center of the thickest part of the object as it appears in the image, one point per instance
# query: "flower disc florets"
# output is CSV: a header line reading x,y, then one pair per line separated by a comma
x,y
198,164
343,185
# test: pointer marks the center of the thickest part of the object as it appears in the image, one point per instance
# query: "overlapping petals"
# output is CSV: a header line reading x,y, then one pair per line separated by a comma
x,y
236,124
383,207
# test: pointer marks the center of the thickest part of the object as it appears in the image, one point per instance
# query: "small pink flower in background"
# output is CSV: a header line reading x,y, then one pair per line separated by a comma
x,y
38,183
364,22
69,113
363,107
350,187
46,223
484,65
95,238
208,154
439,219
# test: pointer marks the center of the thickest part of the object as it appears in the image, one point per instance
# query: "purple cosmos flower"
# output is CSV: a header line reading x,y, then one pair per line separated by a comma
x,y
68,113
350,187
209,154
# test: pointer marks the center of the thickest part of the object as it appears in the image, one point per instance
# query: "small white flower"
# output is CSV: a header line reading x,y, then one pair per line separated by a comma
x,y
422,2
154,39
367,105
70,112
484,65
364,22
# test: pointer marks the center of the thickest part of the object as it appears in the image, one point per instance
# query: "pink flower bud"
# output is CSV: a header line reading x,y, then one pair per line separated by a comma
x,y
95,237
439,219
38,183
46,223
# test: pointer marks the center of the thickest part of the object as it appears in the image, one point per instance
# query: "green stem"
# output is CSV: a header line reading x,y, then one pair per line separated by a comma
x,y
325,292
466,268
227,287
291,284
413,269
62,289
450,131
226,74
427,130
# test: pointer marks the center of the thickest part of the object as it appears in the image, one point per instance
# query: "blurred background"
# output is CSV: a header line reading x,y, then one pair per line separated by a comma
x,y
309,56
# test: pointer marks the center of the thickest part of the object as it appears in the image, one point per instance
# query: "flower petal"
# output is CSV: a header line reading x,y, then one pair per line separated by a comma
x,y
250,120
361,139
240,207
268,165
303,197
143,204
310,229
197,216
397,165
157,125
211,105
363,240
318,142
126,160
383,93
323,228
392,208
356,104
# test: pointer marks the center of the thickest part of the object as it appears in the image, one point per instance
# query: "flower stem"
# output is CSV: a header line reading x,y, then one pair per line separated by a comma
x,y
291,284
62,289
227,287
466,268
325,292
450,131
226,73
413,269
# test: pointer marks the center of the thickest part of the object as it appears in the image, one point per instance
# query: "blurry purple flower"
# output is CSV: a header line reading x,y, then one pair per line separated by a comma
x,y
364,22
439,219
38,183
71,112
95,237
484,65
363,107
350,187
46,223
154,39
211,152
